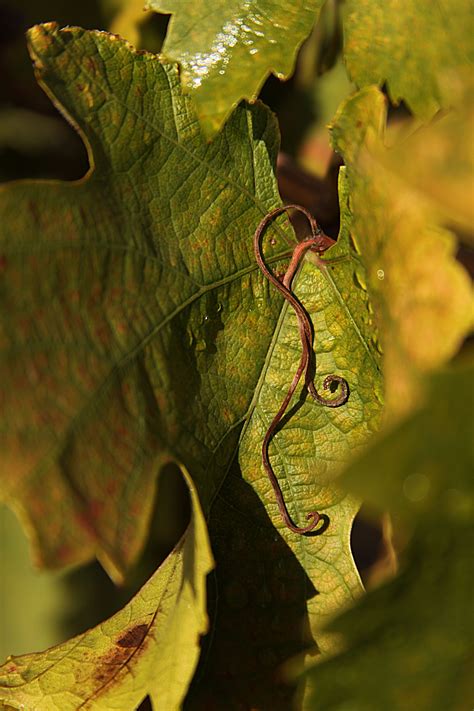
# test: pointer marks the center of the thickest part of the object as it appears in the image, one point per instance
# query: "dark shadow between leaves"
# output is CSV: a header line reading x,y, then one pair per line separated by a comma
x,y
257,607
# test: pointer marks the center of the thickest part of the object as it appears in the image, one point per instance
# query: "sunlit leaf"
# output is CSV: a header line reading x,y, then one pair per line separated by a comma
x,y
151,647
127,298
227,50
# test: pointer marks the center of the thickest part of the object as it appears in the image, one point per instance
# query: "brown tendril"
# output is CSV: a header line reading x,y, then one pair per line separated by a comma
x,y
318,242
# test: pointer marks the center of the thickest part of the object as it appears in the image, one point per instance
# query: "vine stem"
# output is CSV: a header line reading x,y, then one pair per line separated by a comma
x,y
318,243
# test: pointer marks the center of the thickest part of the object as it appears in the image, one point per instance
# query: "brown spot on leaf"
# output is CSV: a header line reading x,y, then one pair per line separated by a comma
x,y
133,636
3,262
130,644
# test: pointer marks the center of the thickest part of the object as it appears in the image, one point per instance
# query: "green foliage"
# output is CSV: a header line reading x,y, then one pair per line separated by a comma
x,y
414,632
284,586
226,55
138,333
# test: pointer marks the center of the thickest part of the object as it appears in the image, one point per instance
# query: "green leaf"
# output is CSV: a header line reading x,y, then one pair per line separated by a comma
x,y
129,336
416,48
409,643
405,250
151,647
226,50
284,586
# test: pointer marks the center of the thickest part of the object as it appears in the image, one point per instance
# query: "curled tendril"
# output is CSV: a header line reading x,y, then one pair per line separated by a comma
x,y
318,242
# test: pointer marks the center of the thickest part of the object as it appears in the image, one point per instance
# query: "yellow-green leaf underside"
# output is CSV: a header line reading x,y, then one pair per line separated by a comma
x,y
150,647
284,586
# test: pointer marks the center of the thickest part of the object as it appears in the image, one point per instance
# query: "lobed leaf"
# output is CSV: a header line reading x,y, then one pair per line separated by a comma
x,y
128,336
150,647
226,50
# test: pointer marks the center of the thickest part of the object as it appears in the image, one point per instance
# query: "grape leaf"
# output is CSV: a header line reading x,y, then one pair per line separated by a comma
x,y
408,644
406,251
226,50
416,48
150,647
284,586
128,335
